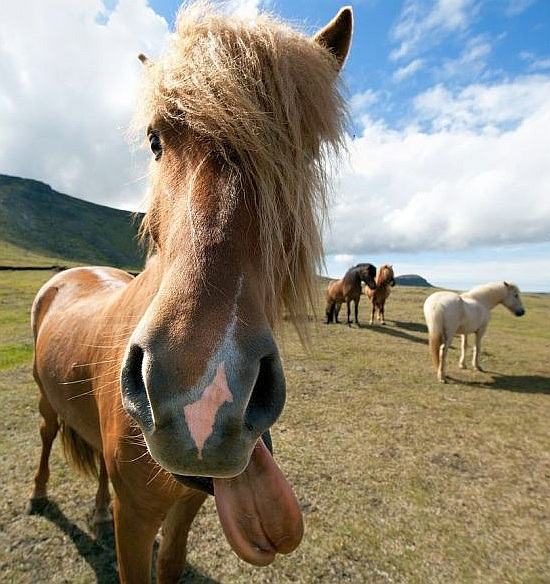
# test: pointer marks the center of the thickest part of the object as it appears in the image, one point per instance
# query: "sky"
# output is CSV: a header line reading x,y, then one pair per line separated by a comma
x,y
447,171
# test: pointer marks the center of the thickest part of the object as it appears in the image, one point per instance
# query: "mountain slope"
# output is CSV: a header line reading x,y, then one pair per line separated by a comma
x,y
39,226
412,280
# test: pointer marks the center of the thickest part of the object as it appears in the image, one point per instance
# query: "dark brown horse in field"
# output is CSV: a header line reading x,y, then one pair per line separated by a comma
x,y
349,289
385,281
165,383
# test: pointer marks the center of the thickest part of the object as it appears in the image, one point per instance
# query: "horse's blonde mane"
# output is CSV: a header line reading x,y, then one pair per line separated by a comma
x,y
491,287
265,98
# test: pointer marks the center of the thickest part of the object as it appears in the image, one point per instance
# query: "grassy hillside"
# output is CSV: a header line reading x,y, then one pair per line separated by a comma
x,y
39,226
401,479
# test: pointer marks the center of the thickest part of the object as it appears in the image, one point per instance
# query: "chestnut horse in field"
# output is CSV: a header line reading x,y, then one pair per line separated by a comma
x,y
165,383
348,290
385,281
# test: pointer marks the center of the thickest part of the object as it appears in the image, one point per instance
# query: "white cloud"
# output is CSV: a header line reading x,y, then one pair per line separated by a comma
x,y
535,63
408,70
421,23
471,62
343,258
515,7
477,175
68,77
246,9
362,101
483,108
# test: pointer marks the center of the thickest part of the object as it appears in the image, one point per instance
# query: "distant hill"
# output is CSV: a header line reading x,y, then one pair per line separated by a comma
x,y
412,280
39,226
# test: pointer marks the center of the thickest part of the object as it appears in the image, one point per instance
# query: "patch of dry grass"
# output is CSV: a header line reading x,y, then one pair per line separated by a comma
x,y
401,479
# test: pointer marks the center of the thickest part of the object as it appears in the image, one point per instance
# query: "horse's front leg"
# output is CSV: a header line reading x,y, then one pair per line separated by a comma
x,y
477,349
381,312
135,532
337,312
373,311
348,302
175,529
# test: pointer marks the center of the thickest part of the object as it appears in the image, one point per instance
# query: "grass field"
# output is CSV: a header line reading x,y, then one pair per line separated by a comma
x,y
401,479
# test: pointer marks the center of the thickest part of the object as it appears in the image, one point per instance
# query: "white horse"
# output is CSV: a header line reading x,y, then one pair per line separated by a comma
x,y
448,313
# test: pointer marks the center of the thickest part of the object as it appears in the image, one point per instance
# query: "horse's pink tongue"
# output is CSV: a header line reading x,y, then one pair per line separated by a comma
x,y
258,510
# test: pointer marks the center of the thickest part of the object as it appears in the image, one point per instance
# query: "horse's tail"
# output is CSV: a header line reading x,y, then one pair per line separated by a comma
x,y
82,456
331,307
436,328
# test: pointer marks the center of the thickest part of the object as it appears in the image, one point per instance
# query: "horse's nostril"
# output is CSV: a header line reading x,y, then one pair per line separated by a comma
x,y
268,396
134,393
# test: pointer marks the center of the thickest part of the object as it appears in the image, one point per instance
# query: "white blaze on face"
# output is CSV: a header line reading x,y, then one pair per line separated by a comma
x,y
201,414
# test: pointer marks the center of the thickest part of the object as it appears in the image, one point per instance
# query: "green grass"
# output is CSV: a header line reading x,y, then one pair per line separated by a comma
x,y
401,479
12,355
12,255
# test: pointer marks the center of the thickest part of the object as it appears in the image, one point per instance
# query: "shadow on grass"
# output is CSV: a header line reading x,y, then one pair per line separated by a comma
x,y
193,576
417,327
517,383
100,554
396,332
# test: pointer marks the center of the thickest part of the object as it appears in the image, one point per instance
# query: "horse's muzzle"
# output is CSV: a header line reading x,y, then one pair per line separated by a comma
x,y
520,312
210,428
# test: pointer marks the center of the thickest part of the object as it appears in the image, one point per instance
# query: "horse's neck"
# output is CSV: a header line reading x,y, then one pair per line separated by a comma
x,y
137,295
489,296
352,277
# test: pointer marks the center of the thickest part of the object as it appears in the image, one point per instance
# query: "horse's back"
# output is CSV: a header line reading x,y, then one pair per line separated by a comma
x,y
71,286
68,328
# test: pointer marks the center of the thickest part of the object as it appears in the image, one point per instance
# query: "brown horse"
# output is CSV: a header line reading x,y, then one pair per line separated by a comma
x,y
385,280
168,380
348,289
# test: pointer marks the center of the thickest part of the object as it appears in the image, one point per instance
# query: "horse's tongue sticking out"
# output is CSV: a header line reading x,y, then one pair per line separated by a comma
x,y
258,510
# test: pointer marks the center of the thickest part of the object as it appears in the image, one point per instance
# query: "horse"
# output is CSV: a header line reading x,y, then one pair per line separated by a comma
x,y
166,384
348,289
449,313
385,280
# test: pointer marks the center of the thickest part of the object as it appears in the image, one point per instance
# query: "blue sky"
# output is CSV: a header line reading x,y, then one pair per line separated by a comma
x,y
515,34
448,169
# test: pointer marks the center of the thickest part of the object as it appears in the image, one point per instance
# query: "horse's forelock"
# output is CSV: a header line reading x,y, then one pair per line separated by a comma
x,y
264,96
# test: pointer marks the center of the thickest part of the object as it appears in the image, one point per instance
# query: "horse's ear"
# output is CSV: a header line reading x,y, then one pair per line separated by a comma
x,y
506,284
143,58
336,35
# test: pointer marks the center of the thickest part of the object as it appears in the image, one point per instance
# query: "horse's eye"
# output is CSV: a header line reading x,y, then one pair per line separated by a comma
x,y
156,145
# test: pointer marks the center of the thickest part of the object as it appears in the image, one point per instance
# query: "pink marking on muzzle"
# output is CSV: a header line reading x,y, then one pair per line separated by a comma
x,y
201,415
